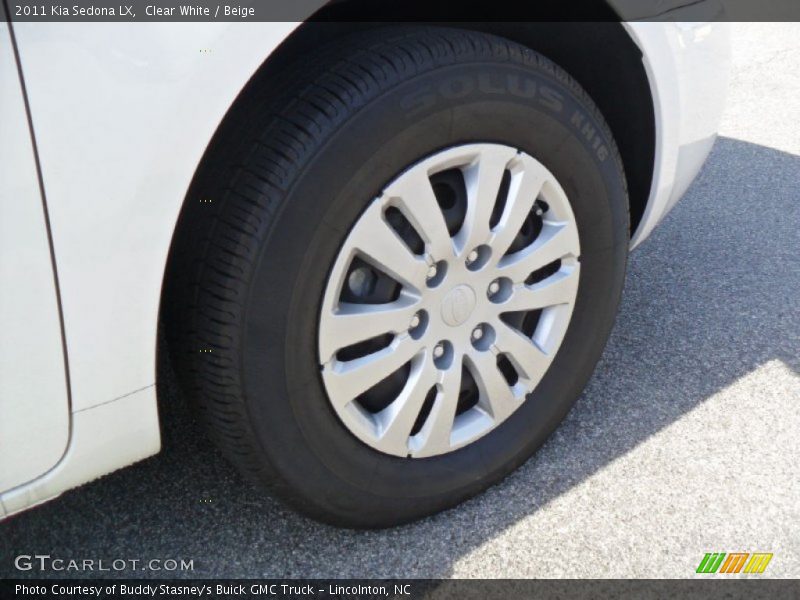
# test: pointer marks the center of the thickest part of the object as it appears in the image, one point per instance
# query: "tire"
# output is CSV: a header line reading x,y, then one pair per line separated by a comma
x,y
290,176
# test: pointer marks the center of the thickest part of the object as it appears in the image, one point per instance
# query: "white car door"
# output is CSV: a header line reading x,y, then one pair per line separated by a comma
x,y
34,399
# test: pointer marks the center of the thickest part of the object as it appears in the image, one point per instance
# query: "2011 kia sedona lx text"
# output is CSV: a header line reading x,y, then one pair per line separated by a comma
x,y
384,259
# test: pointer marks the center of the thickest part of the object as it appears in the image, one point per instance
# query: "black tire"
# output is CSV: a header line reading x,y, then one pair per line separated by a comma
x,y
287,179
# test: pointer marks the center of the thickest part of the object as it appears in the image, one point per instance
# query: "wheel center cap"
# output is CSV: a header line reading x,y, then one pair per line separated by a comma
x,y
458,305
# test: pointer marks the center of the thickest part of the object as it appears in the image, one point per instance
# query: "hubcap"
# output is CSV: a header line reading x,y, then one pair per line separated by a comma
x,y
449,300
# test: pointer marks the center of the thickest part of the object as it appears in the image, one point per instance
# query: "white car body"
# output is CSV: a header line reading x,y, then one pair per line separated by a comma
x,y
121,114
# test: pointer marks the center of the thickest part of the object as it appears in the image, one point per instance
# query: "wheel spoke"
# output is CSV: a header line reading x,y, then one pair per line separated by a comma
x,y
526,183
495,393
557,240
483,183
347,380
434,437
559,288
397,420
529,361
354,323
414,197
382,247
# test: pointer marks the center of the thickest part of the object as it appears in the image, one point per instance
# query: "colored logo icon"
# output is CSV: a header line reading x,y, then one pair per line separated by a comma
x,y
734,562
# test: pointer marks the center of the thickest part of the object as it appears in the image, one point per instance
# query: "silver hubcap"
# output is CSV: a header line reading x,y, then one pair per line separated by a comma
x,y
448,300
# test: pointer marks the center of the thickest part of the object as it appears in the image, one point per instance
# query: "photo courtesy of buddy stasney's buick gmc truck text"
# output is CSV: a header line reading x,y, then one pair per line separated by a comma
x,y
216,590
379,260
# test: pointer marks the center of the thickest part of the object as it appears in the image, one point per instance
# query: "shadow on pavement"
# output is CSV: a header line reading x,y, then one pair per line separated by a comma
x,y
711,296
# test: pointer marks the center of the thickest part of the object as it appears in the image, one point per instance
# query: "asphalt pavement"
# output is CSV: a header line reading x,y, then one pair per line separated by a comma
x,y
686,440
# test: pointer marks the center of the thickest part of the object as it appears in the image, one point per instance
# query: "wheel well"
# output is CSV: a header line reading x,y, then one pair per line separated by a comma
x,y
601,56
604,59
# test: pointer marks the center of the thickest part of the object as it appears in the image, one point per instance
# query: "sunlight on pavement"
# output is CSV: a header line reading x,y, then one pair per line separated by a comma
x,y
723,477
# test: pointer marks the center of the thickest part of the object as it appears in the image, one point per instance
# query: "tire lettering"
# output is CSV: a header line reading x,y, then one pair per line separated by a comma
x,y
522,88
457,87
418,102
486,83
580,123
490,85
516,85
552,99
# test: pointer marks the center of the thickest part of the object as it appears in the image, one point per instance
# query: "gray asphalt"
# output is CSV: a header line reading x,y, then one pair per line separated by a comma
x,y
685,441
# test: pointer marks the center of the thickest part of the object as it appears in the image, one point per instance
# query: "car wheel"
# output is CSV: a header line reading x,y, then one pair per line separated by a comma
x,y
411,264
